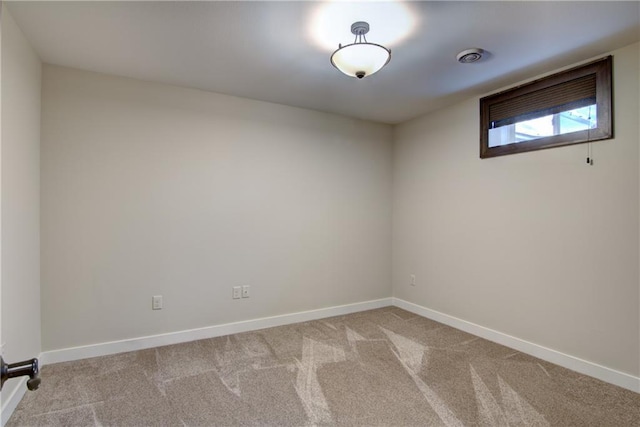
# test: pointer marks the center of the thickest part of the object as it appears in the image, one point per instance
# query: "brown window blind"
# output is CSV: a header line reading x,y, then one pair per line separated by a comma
x,y
550,100
582,86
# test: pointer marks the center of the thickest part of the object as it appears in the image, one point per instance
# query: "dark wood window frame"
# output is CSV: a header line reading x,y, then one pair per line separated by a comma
x,y
536,95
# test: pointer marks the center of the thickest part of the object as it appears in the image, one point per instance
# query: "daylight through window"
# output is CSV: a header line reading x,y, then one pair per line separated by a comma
x,y
570,107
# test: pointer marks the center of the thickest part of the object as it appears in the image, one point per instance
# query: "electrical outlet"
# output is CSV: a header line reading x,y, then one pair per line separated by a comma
x,y
412,279
156,302
246,291
237,292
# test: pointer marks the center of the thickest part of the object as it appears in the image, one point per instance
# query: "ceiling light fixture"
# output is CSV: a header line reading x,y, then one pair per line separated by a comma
x,y
360,58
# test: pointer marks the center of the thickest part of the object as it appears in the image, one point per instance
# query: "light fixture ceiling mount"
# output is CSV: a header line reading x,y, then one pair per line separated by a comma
x,y
360,28
360,58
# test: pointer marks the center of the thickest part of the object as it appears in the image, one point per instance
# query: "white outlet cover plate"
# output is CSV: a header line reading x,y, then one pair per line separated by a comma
x,y
156,302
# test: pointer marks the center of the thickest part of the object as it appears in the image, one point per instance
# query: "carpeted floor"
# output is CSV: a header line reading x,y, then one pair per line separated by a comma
x,y
379,367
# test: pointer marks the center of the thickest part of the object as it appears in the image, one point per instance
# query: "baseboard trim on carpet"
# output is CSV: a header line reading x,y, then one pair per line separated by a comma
x,y
585,367
121,346
10,404
600,372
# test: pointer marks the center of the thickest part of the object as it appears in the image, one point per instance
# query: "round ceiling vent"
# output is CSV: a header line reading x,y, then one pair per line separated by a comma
x,y
470,55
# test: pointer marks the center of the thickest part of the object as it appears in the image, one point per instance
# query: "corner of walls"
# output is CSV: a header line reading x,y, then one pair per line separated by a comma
x,y
20,204
638,130
535,245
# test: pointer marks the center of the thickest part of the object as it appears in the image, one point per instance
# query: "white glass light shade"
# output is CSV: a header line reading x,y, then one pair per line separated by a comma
x,y
357,58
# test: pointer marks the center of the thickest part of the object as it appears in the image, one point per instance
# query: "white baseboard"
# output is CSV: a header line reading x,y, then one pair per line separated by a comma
x,y
104,349
570,362
600,372
603,373
10,403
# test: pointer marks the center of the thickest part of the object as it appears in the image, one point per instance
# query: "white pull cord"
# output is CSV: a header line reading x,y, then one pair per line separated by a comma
x,y
589,153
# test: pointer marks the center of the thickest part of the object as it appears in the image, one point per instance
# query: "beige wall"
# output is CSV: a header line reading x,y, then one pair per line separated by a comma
x,y
21,73
537,245
150,189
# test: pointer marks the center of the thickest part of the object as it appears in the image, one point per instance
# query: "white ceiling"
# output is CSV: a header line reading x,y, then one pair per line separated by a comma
x,y
279,51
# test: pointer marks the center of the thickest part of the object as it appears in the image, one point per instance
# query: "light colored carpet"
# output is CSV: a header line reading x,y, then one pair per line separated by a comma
x,y
379,367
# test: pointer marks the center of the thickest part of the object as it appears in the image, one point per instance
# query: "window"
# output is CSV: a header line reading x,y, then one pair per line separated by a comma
x,y
569,107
